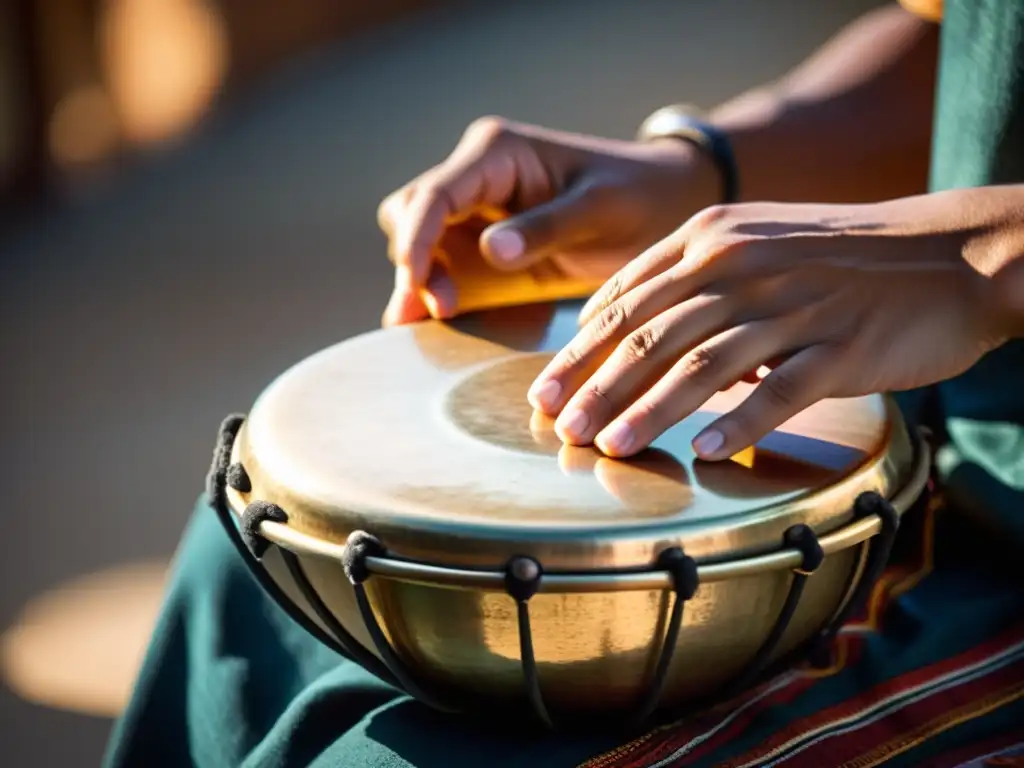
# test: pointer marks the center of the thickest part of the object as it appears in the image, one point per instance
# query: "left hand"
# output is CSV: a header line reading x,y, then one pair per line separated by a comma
x,y
837,301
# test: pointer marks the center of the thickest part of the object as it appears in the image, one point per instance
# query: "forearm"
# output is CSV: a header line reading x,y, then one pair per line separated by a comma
x,y
851,124
997,249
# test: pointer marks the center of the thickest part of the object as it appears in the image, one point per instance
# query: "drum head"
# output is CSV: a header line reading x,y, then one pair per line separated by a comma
x,y
423,434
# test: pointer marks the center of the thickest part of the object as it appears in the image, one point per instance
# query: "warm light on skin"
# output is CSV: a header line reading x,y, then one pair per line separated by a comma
x,y
79,647
165,61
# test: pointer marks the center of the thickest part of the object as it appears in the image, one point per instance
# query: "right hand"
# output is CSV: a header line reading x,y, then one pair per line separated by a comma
x,y
514,197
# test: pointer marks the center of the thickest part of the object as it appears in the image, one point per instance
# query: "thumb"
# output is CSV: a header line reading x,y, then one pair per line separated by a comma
x,y
529,237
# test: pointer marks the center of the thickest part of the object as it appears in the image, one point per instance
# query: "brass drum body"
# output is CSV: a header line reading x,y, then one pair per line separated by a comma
x,y
421,437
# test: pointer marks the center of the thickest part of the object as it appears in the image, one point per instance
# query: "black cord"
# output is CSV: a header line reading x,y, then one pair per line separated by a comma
x,y
800,537
868,503
358,548
250,546
522,580
685,582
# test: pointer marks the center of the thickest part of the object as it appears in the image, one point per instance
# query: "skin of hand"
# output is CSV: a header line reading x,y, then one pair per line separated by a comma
x,y
836,300
524,197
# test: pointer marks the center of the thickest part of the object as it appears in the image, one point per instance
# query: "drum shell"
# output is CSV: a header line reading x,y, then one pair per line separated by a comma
x,y
420,440
595,651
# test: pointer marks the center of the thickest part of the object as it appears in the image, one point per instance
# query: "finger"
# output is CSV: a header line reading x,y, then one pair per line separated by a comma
x,y
656,259
649,264
753,377
637,362
595,342
561,223
692,381
800,382
404,308
406,304
478,174
457,245
440,296
390,209
716,244
624,320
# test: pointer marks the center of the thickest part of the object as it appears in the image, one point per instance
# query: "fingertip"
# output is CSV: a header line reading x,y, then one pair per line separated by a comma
x,y
544,395
404,281
618,440
403,307
439,295
503,246
412,263
710,445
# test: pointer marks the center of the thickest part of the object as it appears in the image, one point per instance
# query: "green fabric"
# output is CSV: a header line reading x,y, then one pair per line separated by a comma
x,y
229,682
979,140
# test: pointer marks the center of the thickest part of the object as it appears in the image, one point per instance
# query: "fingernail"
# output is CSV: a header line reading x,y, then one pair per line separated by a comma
x,y
617,438
707,443
506,244
573,423
543,395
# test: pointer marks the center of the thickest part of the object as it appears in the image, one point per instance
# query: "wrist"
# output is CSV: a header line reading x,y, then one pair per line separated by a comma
x,y
707,147
698,178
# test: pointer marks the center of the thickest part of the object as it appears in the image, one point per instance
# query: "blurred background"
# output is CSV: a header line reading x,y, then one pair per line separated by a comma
x,y
187,207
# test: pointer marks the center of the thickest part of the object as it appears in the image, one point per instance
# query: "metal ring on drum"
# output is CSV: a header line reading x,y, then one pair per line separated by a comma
x,y
396,494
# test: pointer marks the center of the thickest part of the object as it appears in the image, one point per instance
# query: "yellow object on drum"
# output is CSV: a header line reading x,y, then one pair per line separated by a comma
x,y
479,286
399,497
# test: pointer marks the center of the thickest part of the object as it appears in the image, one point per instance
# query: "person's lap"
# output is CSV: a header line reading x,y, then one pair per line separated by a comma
x,y
229,681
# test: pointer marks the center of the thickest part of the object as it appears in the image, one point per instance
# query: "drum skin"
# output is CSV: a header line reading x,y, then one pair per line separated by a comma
x,y
422,437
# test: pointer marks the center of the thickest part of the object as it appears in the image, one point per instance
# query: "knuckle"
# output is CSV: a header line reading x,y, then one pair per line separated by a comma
x,y
701,362
609,321
711,218
779,390
611,291
487,129
717,251
598,397
386,211
642,343
432,192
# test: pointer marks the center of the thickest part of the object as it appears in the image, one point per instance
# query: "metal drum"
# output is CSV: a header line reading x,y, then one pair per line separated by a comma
x,y
398,496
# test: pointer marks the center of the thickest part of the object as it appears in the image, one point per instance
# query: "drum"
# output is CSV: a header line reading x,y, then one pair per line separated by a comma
x,y
399,497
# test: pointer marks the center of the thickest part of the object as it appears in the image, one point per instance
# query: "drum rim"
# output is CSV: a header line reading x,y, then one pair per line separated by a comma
x,y
327,510
455,546
396,567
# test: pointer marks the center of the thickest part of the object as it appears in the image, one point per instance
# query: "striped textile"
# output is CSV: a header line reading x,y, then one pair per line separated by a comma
x,y
922,678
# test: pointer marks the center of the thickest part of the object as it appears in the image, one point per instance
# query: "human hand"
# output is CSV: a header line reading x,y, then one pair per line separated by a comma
x,y
837,301
516,199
